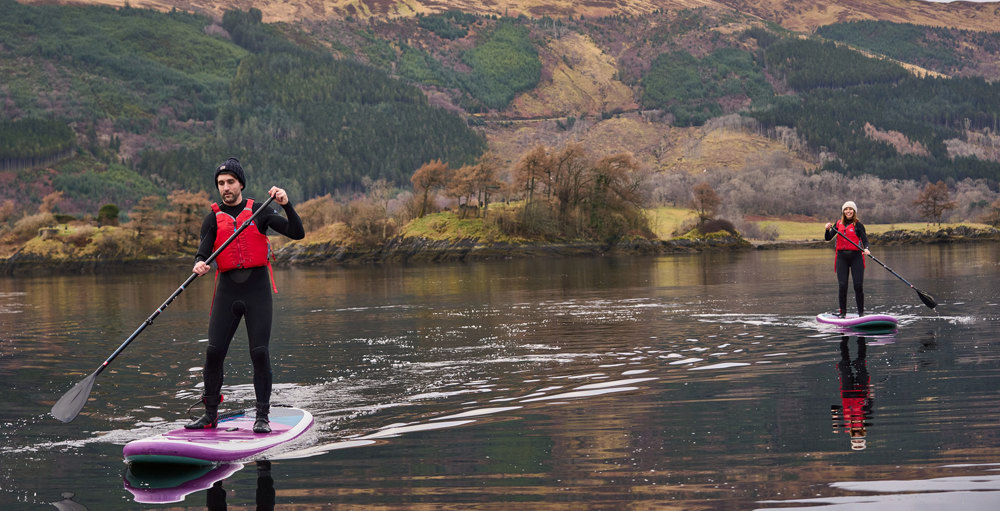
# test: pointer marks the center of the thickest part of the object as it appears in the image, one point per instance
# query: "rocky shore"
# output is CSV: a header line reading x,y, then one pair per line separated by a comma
x,y
421,250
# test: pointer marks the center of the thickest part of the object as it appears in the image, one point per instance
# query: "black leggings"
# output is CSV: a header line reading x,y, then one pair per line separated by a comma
x,y
241,294
853,262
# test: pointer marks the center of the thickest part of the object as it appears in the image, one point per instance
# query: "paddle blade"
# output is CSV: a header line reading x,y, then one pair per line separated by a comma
x,y
69,406
926,298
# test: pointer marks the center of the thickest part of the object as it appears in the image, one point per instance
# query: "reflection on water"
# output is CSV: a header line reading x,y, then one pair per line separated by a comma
x,y
697,382
975,492
855,409
162,483
168,483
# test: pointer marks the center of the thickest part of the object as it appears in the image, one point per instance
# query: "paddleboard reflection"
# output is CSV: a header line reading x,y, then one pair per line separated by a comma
x,y
161,483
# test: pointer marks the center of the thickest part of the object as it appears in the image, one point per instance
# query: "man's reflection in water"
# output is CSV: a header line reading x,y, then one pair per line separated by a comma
x,y
216,495
855,394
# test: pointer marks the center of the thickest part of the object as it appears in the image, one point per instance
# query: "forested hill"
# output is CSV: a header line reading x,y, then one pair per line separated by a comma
x,y
112,104
160,98
798,15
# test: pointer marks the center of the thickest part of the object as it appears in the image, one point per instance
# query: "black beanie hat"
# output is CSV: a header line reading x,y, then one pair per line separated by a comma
x,y
232,166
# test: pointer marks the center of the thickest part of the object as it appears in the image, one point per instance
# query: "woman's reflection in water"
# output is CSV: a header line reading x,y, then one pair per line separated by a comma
x,y
216,495
855,395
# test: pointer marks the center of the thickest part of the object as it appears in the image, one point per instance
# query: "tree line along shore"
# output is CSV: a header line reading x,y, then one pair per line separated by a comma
x,y
562,201
440,237
394,132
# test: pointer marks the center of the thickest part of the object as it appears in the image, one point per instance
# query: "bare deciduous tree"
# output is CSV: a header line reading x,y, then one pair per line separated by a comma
x,y
319,212
993,217
145,215
462,185
934,200
705,201
569,177
381,193
186,214
532,169
430,177
485,180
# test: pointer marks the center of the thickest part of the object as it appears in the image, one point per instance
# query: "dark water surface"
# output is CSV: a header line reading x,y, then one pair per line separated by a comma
x,y
682,382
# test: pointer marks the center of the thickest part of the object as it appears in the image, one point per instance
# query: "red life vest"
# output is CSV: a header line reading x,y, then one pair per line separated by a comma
x,y
850,234
843,244
249,250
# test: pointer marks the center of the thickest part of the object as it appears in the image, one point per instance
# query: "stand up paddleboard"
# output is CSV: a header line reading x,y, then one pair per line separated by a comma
x,y
232,440
852,321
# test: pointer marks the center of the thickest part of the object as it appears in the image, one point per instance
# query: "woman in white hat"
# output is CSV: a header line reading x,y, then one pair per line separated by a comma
x,y
850,259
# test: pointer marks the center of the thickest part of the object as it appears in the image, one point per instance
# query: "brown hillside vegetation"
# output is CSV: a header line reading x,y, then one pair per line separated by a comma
x,y
800,15
579,79
630,133
702,148
807,15
656,145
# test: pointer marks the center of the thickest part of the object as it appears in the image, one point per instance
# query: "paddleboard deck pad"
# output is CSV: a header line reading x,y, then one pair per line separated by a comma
x,y
233,439
869,322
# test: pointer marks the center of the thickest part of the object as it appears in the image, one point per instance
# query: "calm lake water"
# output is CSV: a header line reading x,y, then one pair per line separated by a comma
x,y
681,382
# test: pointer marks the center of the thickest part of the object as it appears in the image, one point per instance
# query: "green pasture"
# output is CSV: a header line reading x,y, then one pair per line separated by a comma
x,y
664,221
813,231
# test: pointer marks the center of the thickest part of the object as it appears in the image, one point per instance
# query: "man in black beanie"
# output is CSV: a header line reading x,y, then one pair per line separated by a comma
x,y
244,286
232,166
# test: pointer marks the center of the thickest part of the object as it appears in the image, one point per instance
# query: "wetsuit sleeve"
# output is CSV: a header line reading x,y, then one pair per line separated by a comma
x,y
290,226
208,230
862,234
830,234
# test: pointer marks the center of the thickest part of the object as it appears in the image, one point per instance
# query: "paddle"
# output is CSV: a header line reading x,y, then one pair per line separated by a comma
x,y
69,406
924,297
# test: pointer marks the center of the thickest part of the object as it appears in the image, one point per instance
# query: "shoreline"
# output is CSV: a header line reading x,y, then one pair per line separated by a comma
x,y
422,251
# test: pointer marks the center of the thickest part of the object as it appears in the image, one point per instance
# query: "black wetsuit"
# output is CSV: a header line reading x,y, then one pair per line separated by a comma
x,y
243,293
851,262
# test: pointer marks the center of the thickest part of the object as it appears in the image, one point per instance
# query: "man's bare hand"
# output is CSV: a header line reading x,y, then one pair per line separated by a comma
x,y
279,195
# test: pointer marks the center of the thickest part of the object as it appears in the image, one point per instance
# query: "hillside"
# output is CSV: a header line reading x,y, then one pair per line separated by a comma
x,y
801,15
806,16
326,103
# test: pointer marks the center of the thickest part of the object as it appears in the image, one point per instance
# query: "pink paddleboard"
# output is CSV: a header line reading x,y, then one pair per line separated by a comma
x,y
869,322
232,440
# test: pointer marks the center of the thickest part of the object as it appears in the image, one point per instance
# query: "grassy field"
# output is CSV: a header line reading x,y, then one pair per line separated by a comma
x,y
448,226
813,231
666,220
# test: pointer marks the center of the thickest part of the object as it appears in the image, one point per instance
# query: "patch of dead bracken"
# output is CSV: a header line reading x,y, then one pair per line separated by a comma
x,y
897,140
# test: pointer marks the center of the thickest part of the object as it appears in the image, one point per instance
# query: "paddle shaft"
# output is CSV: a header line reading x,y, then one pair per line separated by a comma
x,y
188,281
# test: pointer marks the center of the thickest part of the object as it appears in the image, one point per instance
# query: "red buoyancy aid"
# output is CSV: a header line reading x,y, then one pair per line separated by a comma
x,y
850,234
249,250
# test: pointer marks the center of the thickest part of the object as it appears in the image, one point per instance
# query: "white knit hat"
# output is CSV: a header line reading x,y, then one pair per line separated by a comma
x,y
850,204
